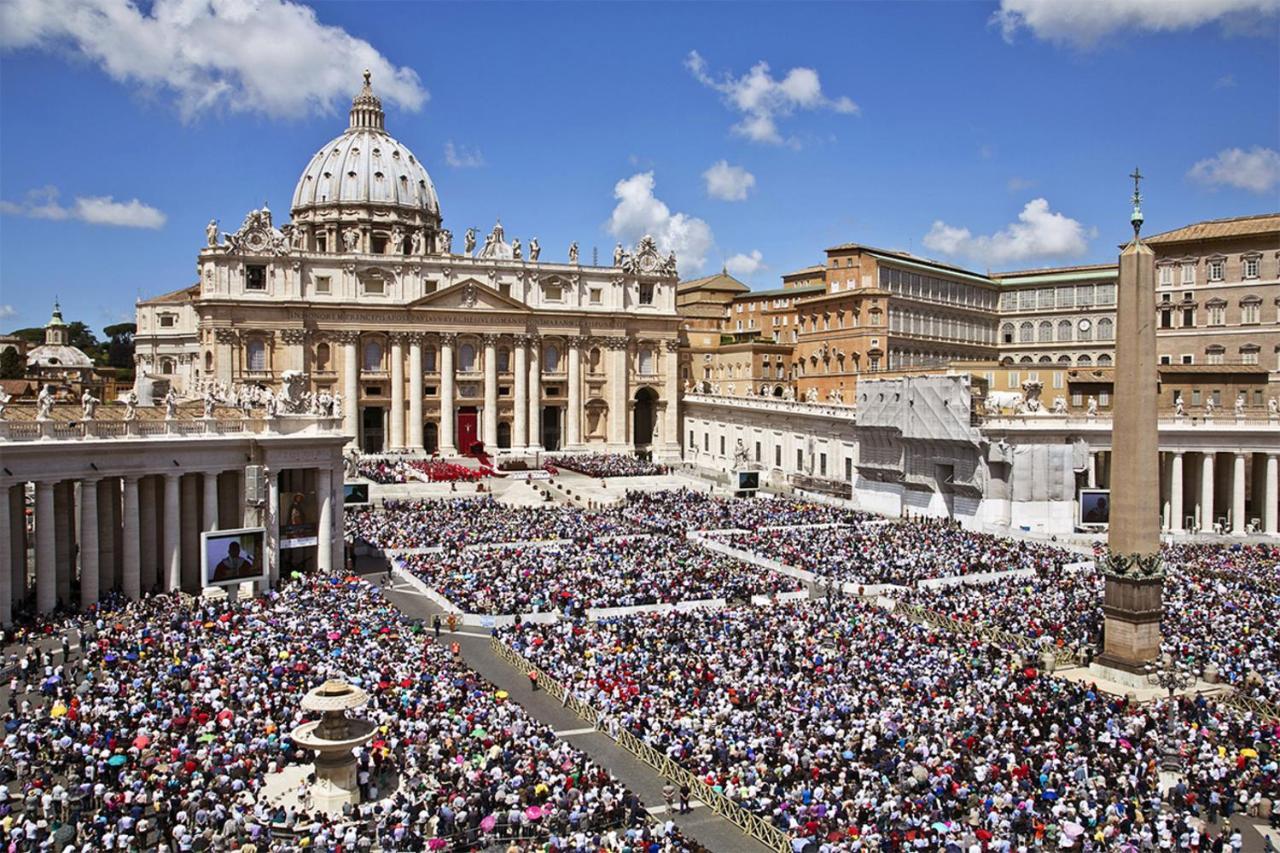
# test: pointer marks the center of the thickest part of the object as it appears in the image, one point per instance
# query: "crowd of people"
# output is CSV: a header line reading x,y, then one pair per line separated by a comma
x,y
456,523
1218,611
388,470
899,552
680,510
852,728
609,465
164,733
570,578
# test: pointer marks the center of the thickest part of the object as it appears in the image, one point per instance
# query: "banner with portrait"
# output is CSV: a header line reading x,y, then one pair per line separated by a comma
x,y
299,525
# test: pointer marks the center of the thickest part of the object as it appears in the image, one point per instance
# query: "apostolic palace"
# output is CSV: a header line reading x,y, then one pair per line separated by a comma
x,y
419,346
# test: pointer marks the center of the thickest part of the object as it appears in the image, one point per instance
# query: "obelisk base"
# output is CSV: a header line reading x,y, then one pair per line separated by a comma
x,y
1131,610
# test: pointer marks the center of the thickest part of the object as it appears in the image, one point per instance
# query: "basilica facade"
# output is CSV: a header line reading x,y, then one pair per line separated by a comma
x,y
421,344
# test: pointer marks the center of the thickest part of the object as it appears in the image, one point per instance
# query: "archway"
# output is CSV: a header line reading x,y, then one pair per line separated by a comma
x,y
646,400
430,437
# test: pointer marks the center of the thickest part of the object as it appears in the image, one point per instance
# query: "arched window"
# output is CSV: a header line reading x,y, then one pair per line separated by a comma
x,y
504,360
467,358
593,360
550,358
1046,332
1084,360
373,355
1026,359
322,356
256,354
1104,360
1106,329
429,359
166,365
1026,333
1064,359
1046,359
1007,333
208,362
1064,330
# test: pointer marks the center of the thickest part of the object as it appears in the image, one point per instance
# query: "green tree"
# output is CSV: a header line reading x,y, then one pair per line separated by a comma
x,y
120,344
12,365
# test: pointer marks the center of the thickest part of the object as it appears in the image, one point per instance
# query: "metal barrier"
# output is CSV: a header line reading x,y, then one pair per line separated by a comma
x,y
751,825
1248,705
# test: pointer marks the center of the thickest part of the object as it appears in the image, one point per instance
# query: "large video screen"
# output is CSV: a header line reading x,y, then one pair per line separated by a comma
x,y
1095,507
233,556
355,494
748,480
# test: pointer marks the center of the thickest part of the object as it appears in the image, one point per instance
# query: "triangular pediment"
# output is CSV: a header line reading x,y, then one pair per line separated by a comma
x,y
469,295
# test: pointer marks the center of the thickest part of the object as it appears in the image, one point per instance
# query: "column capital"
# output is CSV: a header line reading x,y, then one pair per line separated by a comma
x,y
672,344
616,342
343,336
490,339
397,337
415,338
295,336
578,341
447,338
226,336
131,478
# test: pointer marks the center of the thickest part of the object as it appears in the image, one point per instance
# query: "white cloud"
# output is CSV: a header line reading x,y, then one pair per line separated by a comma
x,y
1038,233
43,203
763,99
1084,22
462,157
267,56
7,311
728,183
743,265
638,212
1256,170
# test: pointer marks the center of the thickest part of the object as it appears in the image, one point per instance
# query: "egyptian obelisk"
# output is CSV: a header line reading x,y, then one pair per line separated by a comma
x,y
1133,602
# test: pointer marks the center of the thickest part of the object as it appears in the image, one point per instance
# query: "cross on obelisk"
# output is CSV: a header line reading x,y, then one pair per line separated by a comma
x,y
1133,603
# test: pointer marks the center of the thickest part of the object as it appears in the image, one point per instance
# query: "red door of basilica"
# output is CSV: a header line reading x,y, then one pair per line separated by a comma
x,y
467,431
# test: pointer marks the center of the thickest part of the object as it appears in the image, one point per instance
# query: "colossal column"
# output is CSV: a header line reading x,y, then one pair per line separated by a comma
x,y
520,440
1206,491
1133,602
1237,495
106,534
491,393
62,532
448,420
147,512
131,562
172,532
350,385
671,421
617,393
415,391
1175,492
324,523
190,532
46,581
573,417
210,479
1270,510
18,540
6,544
397,391
535,393
89,579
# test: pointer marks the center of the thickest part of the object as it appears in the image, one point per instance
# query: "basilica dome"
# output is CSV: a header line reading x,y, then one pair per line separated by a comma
x,y
366,166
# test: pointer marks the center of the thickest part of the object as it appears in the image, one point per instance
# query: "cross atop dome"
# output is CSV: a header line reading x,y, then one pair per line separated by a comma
x,y
366,107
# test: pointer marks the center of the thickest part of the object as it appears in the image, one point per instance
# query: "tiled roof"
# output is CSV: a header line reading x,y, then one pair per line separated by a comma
x,y
719,281
183,294
1216,229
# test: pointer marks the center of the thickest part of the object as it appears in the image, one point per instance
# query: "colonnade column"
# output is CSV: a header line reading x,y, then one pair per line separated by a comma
x,y
490,394
573,418
415,391
324,523
1093,469
90,583
63,514
448,420
1175,492
106,534
210,501
6,546
190,533
671,428
148,562
172,531
520,439
535,393
18,540
1237,496
46,582
350,386
130,527
1270,510
617,393
1206,492
397,391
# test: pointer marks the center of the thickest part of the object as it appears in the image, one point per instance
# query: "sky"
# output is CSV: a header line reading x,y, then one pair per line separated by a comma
x,y
993,135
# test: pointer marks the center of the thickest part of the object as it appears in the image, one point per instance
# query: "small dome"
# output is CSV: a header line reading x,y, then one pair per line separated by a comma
x,y
54,355
366,166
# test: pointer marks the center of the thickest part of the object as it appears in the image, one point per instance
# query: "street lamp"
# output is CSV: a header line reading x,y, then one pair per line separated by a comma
x,y
1172,675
